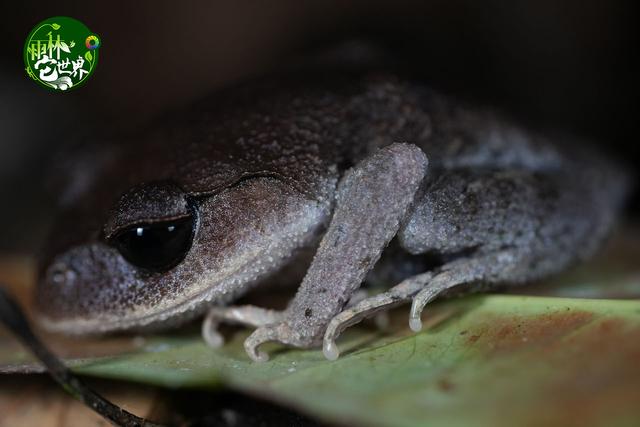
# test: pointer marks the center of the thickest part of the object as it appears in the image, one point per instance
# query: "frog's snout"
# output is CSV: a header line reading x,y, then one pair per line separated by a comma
x,y
84,283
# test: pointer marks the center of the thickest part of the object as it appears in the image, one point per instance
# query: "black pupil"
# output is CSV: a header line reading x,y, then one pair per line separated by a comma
x,y
158,246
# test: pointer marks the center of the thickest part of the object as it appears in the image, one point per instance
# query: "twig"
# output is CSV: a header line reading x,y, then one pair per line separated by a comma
x,y
14,319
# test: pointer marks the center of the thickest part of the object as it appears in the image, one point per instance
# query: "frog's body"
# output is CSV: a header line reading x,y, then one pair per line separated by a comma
x,y
263,171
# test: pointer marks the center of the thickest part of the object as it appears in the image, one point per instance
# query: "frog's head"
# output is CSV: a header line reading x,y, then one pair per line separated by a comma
x,y
163,253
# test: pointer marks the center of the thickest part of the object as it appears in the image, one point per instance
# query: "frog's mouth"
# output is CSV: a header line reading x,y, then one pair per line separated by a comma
x,y
152,318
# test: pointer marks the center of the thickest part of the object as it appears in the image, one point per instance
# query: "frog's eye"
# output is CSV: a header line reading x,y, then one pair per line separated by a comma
x,y
155,246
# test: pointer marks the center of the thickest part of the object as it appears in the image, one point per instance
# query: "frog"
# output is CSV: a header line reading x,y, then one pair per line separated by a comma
x,y
370,173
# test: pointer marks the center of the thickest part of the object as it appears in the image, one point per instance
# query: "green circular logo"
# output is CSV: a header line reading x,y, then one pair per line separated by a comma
x,y
61,53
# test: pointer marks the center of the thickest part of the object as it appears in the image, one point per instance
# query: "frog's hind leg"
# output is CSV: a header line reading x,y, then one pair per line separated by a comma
x,y
491,227
485,269
422,289
368,307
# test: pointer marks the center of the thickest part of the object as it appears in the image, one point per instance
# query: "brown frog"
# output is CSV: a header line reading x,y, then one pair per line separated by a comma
x,y
190,216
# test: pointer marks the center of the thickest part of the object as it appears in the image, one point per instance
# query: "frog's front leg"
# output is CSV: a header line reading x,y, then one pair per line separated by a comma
x,y
371,201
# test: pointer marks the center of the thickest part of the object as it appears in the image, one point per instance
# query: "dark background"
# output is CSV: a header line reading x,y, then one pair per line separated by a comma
x,y
562,65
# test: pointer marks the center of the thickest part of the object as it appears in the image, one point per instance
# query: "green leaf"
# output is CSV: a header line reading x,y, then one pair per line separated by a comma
x,y
495,360
88,56
55,26
485,360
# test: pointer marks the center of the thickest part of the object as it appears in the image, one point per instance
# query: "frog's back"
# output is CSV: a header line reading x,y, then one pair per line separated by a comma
x,y
308,128
302,125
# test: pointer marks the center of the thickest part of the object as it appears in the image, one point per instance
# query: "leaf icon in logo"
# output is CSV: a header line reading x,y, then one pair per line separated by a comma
x,y
64,47
55,26
88,56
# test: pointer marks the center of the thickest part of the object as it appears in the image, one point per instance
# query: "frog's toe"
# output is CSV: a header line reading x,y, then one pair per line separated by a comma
x,y
260,336
342,321
278,332
210,333
422,298
415,322
334,329
330,349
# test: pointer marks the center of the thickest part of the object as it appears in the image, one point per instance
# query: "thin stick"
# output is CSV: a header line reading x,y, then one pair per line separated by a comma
x,y
14,319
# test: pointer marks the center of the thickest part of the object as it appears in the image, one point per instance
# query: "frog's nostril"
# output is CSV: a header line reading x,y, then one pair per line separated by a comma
x,y
61,274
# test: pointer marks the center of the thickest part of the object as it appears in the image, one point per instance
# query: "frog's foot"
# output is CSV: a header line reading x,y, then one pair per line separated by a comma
x,y
422,288
369,307
269,323
464,271
247,315
280,333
